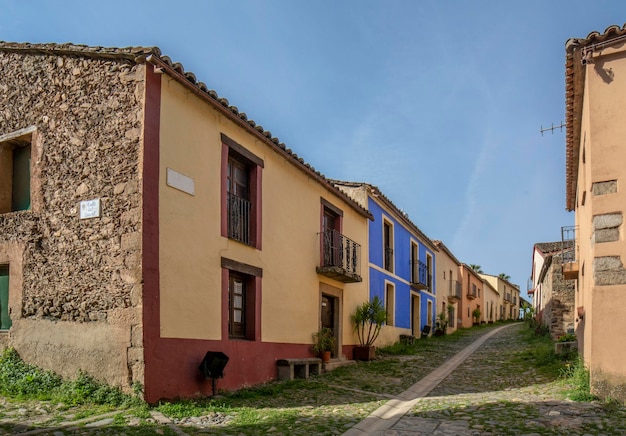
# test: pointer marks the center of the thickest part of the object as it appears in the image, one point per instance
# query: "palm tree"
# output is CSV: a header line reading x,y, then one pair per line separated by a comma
x,y
476,268
504,276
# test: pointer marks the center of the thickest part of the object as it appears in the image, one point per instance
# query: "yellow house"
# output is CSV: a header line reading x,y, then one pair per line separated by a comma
x,y
492,301
508,297
160,223
595,175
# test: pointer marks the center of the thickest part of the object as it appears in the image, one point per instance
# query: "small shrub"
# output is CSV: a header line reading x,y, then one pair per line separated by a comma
x,y
569,337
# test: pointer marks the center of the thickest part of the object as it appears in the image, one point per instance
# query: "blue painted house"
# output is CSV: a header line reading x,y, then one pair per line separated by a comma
x,y
401,264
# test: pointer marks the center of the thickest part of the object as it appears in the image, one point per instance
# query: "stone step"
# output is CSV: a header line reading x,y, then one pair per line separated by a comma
x,y
336,363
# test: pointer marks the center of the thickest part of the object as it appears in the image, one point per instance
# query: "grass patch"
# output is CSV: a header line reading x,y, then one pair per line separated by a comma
x,y
22,381
540,353
577,375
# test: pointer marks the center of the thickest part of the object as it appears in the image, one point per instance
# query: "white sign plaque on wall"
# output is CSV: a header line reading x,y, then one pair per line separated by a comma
x,y
90,209
181,182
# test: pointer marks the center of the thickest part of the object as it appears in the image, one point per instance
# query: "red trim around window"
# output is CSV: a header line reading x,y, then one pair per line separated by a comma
x,y
257,193
223,194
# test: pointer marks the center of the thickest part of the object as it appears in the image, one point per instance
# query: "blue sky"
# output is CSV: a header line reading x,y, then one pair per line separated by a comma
x,y
439,104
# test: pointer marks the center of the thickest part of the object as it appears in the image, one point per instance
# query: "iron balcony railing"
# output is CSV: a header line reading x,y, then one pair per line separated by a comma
x,y
454,290
473,292
569,252
507,298
568,244
340,252
239,211
420,275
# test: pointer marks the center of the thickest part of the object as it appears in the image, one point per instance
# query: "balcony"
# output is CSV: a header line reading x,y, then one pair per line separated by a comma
x,y
339,257
420,278
507,298
472,294
569,249
454,291
238,210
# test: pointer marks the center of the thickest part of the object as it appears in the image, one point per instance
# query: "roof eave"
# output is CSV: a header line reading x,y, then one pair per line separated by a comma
x,y
240,118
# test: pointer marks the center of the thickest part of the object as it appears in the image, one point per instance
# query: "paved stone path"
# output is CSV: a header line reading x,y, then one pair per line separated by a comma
x,y
476,385
481,391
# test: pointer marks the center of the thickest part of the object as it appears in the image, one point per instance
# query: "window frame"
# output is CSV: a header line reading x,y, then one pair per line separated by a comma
x,y
250,277
233,152
390,302
19,139
5,271
388,245
414,254
330,245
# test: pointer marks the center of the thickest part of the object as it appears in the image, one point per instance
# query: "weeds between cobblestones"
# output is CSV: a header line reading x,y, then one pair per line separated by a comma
x,y
497,390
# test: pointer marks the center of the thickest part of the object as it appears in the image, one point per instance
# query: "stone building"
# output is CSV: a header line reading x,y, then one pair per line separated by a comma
x,y
553,296
145,221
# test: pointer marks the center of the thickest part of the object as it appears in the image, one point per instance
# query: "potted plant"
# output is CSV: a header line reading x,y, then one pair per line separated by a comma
x,y
323,343
476,316
368,320
441,324
566,344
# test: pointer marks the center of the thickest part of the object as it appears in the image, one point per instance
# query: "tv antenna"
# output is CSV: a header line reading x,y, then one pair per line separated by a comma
x,y
552,128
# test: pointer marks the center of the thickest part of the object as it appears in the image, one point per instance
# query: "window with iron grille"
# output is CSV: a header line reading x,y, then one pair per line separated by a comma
x,y
241,208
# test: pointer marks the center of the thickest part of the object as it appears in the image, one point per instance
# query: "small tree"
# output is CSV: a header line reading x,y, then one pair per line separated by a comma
x,y
441,324
529,313
476,315
368,320
504,276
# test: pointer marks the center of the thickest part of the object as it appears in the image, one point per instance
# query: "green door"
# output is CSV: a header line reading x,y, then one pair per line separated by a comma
x,y
5,321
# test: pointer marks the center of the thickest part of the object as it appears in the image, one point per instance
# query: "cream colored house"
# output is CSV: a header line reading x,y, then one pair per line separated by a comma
x,y
449,286
491,302
508,297
595,179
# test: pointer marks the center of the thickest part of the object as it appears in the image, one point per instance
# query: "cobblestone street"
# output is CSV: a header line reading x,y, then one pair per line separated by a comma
x,y
477,385
490,394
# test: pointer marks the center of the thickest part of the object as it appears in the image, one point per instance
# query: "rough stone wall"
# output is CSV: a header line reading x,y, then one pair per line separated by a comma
x,y
558,313
88,116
